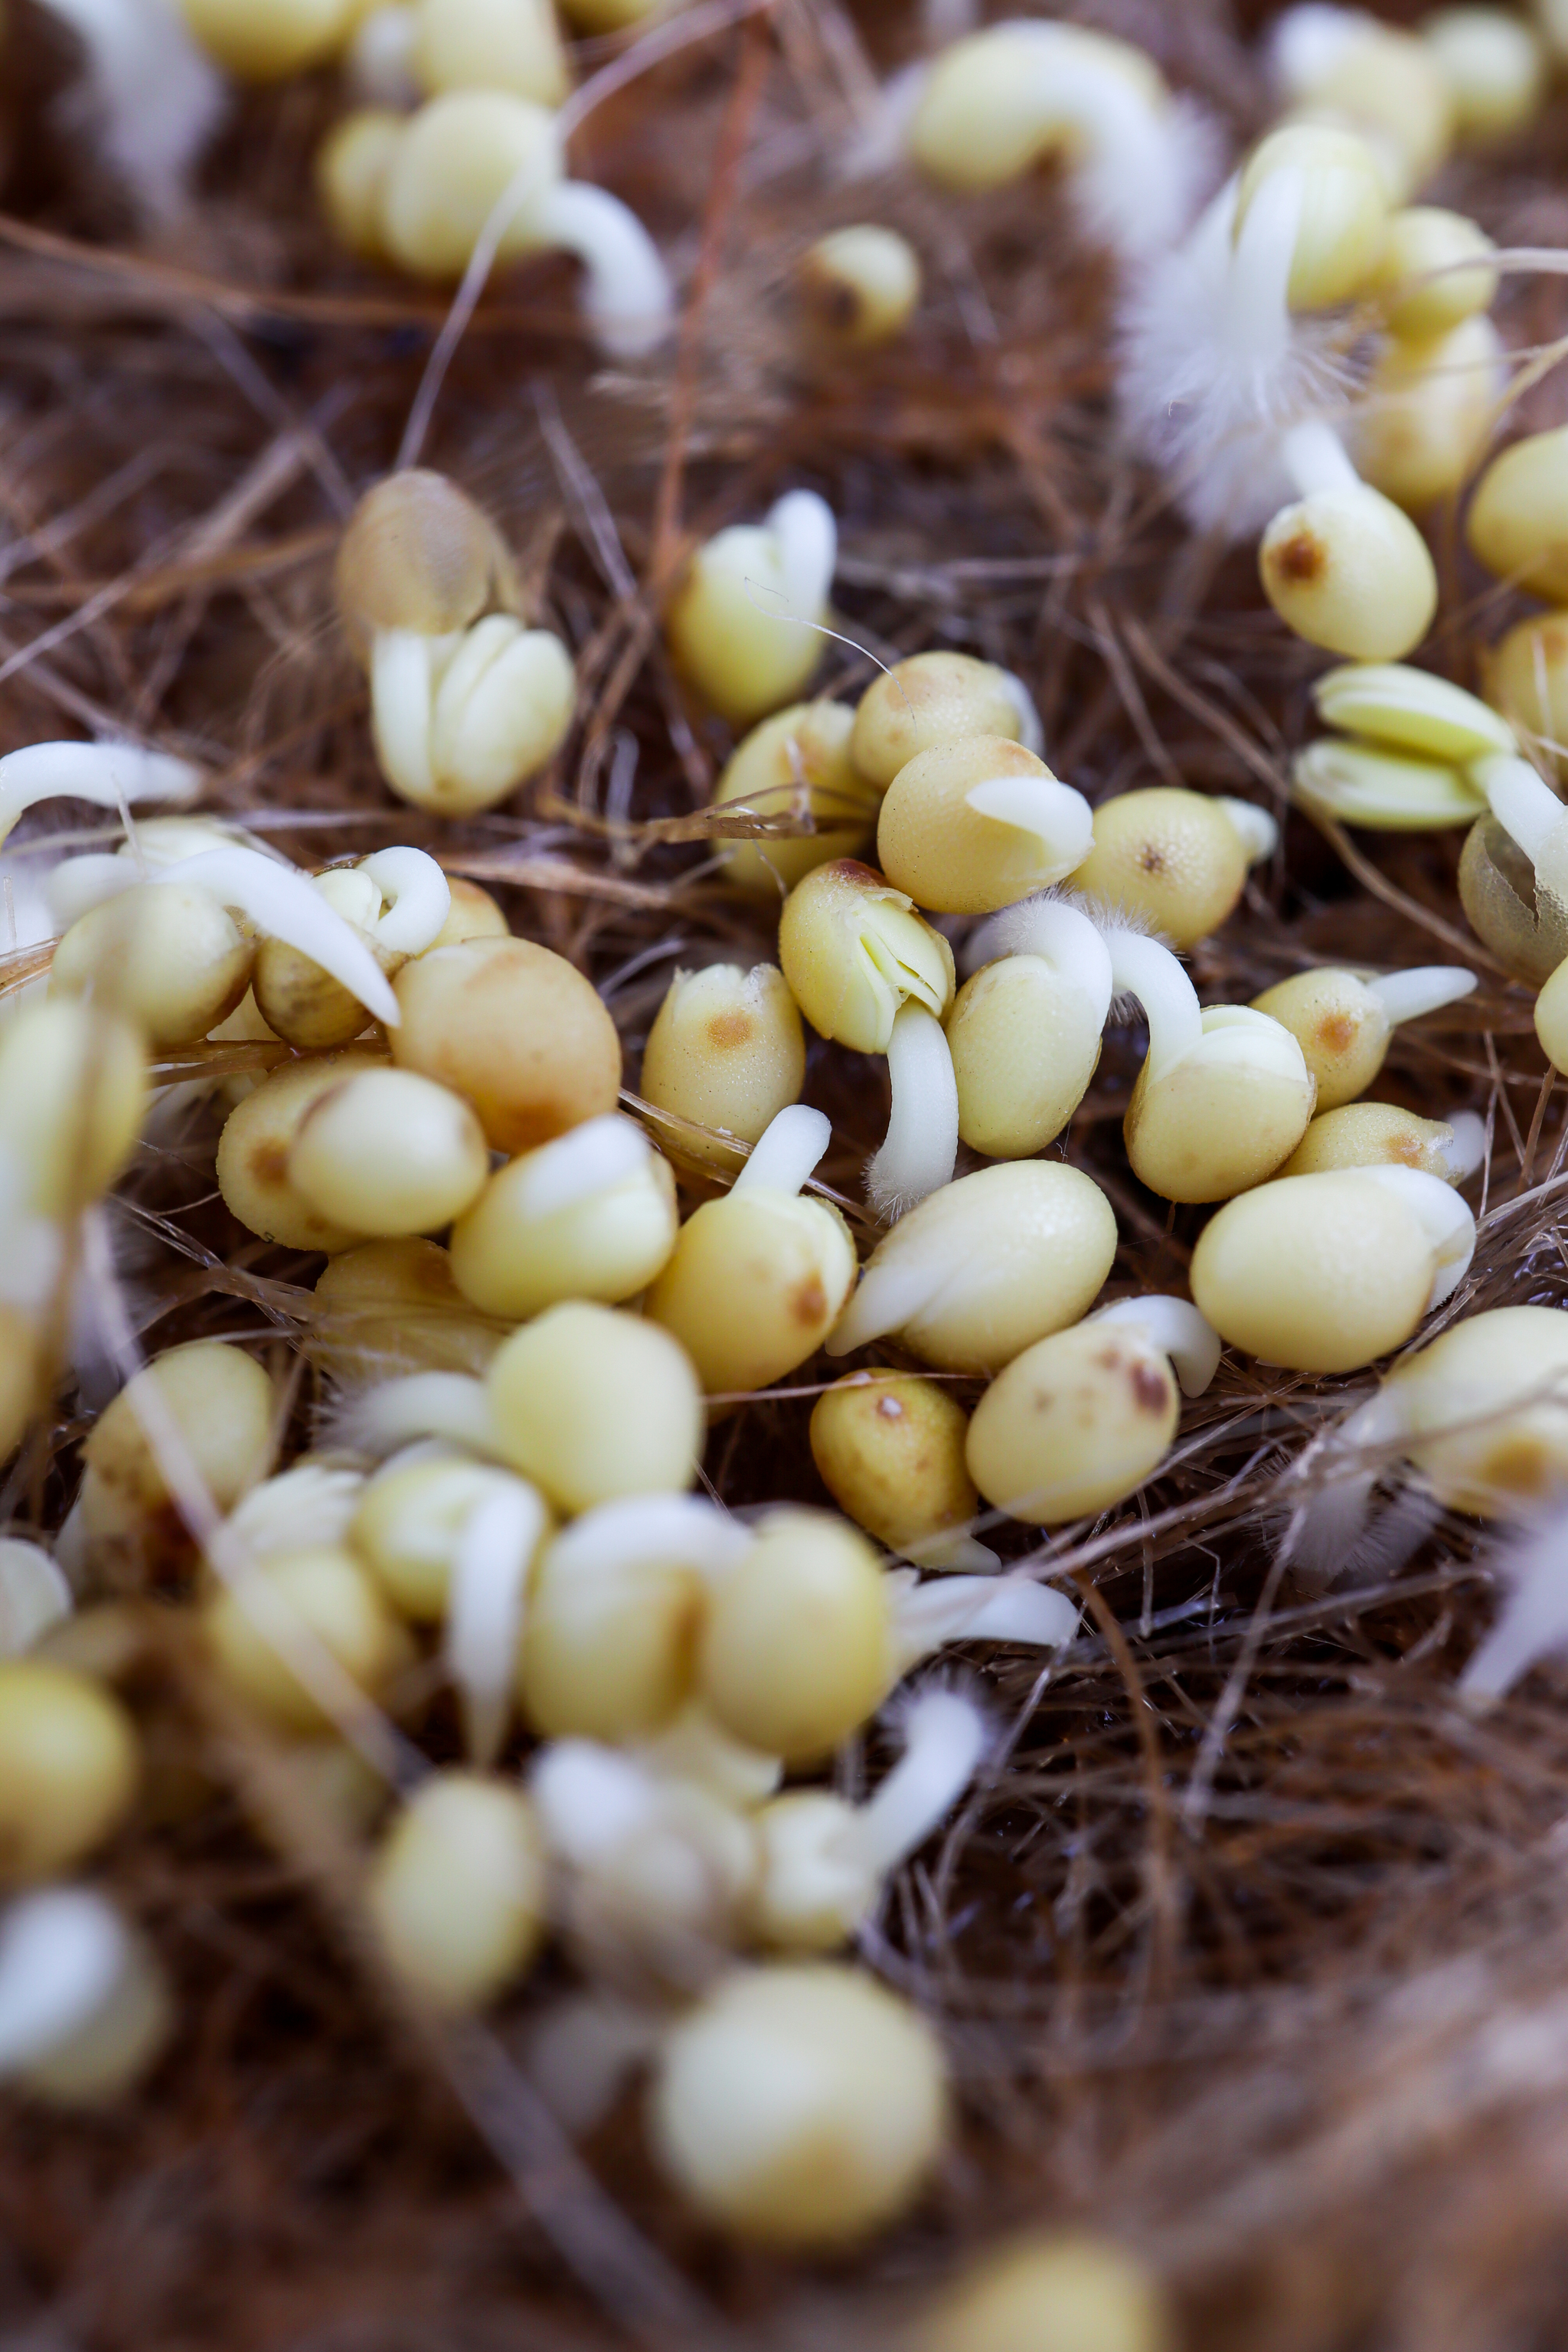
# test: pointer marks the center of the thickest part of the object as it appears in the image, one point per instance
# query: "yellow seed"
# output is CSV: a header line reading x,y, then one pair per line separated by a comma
x,y
457,1893
1223,1117
513,1259
409,1523
1388,84
726,1050
390,1150
298,999
1172,857
1324,1274
610,1653
1426,412
802,2105
812,1890
418,554
796,1651
860,285
1551,1018
1527,678
19,1376
304,1603
253,1152
798,759
1050,2294
269,43
222,1411
73,1092
853,950
516,1029
1339,1026
985,1266
1424,290
1495,67
986,114
926,701
755,1284
949,855
1345,211
1371,1134
1025,1044
1486,1405
1497,891
1076,1423
165,955
473,915
1346,570
736,632
68,1768
511,44
889,1447
1518,520
388,1307
352,164
455,158
591,1404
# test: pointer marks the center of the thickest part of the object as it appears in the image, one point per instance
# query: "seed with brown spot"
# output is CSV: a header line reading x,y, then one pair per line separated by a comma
x,y
809,1301
733,1028
269,1161
1151,860
1335,1033
1148,1388
1301,559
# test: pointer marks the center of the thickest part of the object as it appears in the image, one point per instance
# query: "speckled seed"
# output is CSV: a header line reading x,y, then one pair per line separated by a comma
x,y
889,1448
755,1286
1172,857
1340,1027
926,699
1074,1425
1348,570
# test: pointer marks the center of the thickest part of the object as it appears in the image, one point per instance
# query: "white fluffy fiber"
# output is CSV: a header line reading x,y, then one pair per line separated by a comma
x,y
148,98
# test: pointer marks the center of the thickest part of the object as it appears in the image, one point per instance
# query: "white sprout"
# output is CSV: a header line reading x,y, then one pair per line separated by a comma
x,y
1466,1148
1175,1327
1031,732
149,95
805,534
82,2008
281,903
583,2051
1216,369
379,63
450,1405
788,1150
945,1738
1055,815
1060,934
485,1604
1407,995
1532,1624
642,1530
1260,832
1010,1609
311,1504
111,775
588,1160
415,895
626,295
921,1150
1447,1221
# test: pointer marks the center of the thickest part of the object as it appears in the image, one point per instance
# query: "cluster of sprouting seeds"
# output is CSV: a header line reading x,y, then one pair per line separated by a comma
x,y
502,1494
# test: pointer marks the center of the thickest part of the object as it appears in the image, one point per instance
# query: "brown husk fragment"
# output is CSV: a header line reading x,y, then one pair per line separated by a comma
x,y
1252,1948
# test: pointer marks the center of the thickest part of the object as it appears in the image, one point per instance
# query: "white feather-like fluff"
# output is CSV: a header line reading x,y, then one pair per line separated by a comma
x,y
148,98
1532,1622
1209,385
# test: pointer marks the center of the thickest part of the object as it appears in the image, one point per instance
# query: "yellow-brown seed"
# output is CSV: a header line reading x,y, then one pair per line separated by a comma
x,y
514,1028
